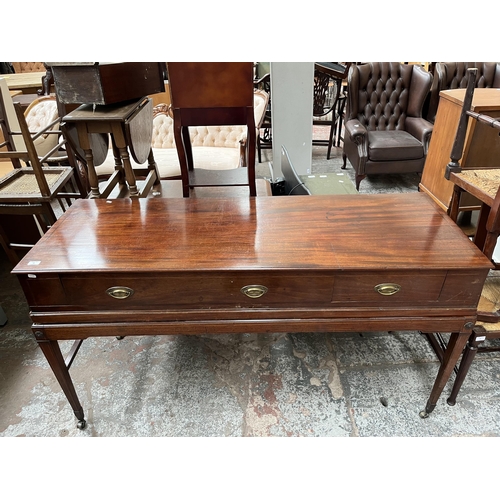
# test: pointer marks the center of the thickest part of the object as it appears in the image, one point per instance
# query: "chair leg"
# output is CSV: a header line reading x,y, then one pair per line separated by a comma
x,y
251,140
11,253
344,159
183,162
331,138
359,178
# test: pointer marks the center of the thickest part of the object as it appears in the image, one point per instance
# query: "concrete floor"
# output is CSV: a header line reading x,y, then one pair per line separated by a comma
x,y
330,385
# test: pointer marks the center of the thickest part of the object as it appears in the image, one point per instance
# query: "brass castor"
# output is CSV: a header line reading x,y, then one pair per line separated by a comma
x,y
81,424
428,409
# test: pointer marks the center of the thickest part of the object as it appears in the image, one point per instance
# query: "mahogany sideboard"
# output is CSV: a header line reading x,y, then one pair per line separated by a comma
x,y
251,265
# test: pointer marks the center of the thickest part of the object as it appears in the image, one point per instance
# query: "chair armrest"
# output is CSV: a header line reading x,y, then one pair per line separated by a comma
x,y
421,129
356,131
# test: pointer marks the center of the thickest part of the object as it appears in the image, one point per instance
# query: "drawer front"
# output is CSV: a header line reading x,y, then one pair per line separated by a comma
x,y
106,291
387,288
198,291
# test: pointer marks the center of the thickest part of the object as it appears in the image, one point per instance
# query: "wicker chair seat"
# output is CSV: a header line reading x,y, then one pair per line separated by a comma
x,y
24,182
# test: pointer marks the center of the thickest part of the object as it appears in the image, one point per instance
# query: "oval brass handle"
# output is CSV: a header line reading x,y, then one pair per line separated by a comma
x,y
120,292
254,291
387,288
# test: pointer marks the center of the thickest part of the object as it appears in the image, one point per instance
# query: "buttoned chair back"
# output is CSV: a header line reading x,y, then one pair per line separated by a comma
x,y
453,75
383,95
384,129
28,67
42,114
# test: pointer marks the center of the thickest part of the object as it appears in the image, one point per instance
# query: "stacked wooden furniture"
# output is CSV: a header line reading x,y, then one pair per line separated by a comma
x,y
28,191
115,103
484,184
481,144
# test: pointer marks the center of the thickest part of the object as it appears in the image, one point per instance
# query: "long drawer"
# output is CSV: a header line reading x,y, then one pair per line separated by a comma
x,y
275,289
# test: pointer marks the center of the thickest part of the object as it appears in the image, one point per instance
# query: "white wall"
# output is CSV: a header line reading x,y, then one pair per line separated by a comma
x,y
291,111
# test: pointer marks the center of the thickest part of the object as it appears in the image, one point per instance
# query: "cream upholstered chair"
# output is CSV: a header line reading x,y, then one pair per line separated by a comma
x,y
214,147
42,114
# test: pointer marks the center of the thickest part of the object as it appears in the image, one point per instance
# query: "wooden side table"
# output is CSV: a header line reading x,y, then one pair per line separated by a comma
x,y
481,148
130,126
28,83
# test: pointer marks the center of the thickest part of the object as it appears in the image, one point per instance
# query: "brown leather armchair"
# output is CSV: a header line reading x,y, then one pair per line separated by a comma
x,y
453,75
384,129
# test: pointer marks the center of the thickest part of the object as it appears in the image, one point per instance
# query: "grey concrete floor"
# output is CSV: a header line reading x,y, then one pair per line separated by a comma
x,y
321,385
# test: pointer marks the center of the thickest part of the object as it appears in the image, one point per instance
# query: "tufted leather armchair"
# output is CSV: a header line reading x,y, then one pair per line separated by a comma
x,y
384,129
453,75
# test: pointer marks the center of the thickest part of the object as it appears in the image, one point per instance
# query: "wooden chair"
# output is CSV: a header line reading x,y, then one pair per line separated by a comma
x,y
27,193
485,185
265,129
328,102
216,94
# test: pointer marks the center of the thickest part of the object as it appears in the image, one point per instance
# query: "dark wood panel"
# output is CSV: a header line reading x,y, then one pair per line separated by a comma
x,y
106,83
266,325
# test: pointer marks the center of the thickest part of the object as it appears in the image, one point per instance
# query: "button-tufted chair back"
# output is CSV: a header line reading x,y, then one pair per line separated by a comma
x,y
453,75
39,114
28,67
379,95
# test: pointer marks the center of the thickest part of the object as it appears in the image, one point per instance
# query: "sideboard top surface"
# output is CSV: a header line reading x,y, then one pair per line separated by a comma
x,y
484,99
348,232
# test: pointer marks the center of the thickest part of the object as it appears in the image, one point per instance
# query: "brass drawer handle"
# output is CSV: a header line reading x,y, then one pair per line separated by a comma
x,y
254,291
388,288
120,292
